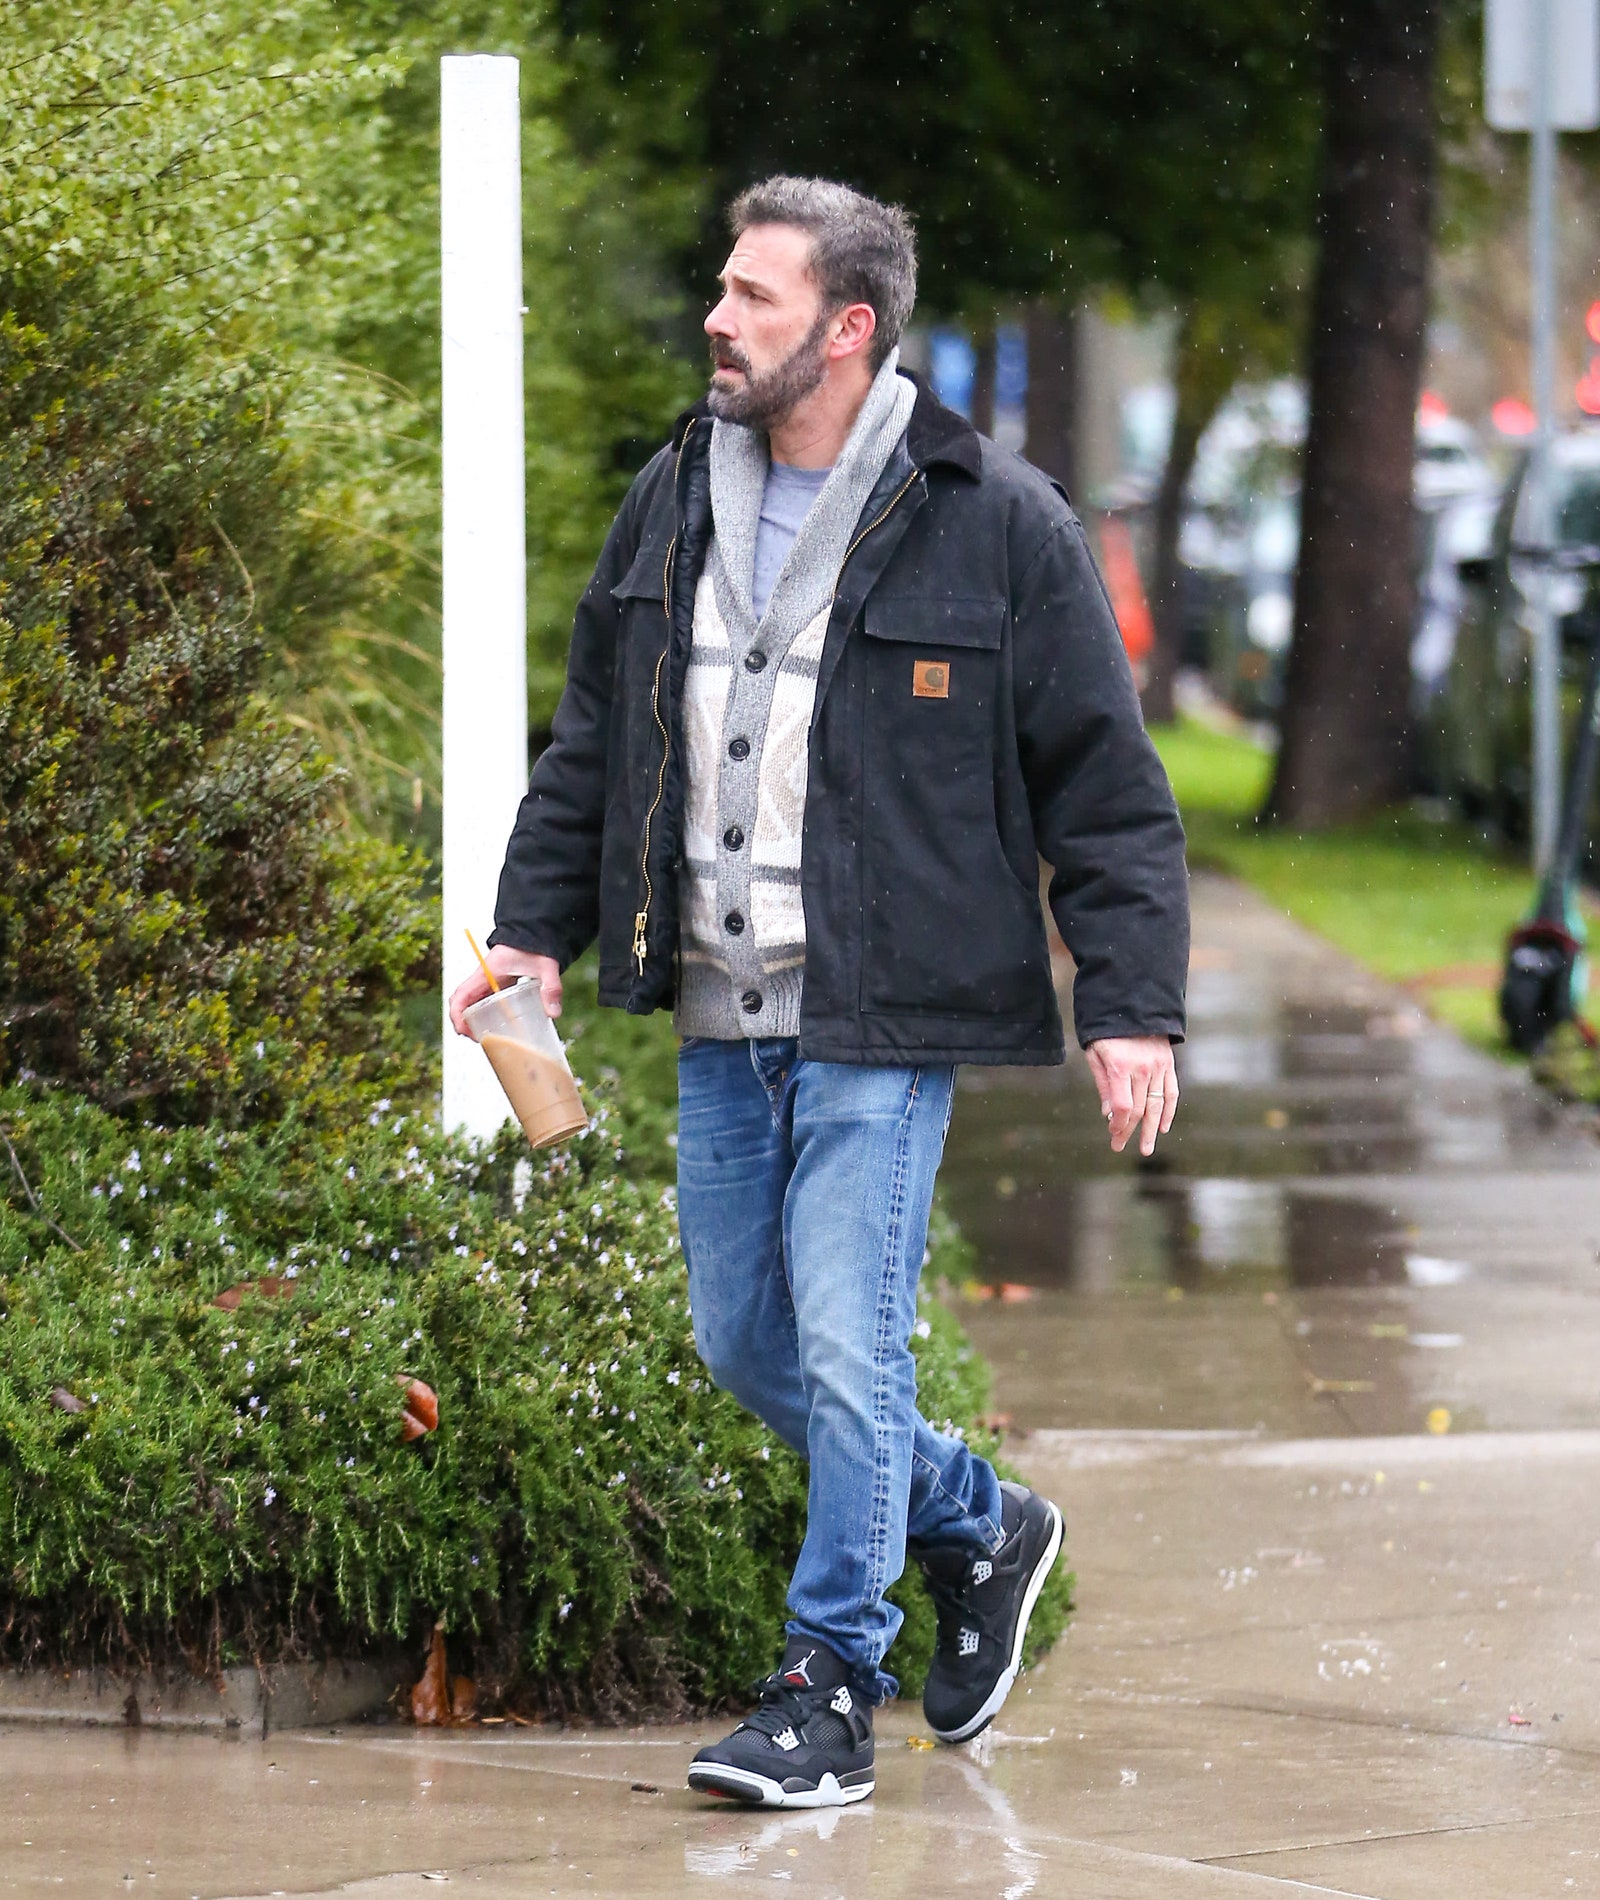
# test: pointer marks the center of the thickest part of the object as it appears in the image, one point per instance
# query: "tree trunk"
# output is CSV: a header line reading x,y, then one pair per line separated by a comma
x,y
983,378
1344,750
1052,401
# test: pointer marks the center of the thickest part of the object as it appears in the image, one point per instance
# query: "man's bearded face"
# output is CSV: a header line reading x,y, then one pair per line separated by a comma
x,y
766,398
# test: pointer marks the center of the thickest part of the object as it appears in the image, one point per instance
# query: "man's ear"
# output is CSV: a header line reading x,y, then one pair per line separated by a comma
x,y
851,330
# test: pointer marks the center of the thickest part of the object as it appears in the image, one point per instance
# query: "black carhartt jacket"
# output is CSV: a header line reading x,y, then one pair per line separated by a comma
x,y
926,810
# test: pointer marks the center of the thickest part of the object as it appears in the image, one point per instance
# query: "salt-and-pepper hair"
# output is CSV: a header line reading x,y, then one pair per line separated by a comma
x,y
861,251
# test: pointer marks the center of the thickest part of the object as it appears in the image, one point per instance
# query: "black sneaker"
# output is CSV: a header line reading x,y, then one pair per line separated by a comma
x,y
983,1605
809,1744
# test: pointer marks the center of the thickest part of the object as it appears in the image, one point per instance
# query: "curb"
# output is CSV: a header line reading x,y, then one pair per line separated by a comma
x,y
252,1702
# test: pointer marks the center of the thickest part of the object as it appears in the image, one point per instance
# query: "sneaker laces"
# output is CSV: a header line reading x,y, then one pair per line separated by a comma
x,y
783,1705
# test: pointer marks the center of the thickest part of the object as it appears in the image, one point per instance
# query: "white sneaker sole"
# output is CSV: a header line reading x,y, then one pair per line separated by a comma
x,y
756,1791
1030,1597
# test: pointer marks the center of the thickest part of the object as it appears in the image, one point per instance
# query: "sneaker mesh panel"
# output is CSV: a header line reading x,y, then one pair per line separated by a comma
x,y
828,1731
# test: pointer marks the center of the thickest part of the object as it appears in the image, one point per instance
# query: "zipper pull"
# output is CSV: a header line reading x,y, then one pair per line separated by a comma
x,y
641,918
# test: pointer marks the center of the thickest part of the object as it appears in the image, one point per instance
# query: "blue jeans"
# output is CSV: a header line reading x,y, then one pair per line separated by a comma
x,y
803,1197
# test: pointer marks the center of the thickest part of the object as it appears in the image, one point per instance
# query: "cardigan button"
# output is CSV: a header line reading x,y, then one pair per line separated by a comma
x,y
751,1002
754,662
733,922
733,837
739,749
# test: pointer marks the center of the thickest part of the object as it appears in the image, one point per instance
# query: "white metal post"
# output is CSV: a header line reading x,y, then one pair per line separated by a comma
x,y
485,575
1545,672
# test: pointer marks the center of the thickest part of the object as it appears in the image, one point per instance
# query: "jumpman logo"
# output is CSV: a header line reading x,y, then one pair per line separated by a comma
x,y
799,1673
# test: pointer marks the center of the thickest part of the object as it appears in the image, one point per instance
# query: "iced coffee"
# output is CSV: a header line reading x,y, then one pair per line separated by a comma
x,y
521,1043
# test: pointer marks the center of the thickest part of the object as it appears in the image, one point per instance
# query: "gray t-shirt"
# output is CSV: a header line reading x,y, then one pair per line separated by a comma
x,y
785,503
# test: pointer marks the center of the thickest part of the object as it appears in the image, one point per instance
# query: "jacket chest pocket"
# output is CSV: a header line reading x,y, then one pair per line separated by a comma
x,y
932,669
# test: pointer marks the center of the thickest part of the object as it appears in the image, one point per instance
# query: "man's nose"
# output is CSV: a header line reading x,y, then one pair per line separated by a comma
x,y
719,322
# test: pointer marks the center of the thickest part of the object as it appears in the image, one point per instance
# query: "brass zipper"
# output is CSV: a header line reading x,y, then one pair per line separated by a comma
x,y
641,918
889,508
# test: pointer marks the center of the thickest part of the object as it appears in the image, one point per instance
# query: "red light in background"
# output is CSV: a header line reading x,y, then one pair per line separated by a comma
x,y
1591,321
1587,391
1512,416
1432,407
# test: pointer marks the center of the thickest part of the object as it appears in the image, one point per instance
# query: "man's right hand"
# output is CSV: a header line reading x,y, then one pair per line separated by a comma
x,y
508,965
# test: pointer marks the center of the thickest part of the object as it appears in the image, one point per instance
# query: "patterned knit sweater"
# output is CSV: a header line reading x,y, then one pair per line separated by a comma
x,y
747,719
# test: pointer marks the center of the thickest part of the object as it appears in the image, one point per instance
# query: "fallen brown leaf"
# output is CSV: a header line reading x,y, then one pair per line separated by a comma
x,y
269,1286
463,1698
65,1401
419,1407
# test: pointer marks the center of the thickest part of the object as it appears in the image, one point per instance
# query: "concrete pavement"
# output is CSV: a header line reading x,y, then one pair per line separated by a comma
x,y
1318,1396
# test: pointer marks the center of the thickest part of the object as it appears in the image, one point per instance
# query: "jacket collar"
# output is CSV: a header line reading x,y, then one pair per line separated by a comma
x,y
935,434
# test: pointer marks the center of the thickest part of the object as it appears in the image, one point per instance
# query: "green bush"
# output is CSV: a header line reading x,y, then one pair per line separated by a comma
x,y
184,922
596,1526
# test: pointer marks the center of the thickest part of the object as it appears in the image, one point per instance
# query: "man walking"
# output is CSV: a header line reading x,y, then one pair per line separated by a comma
x,y
844,674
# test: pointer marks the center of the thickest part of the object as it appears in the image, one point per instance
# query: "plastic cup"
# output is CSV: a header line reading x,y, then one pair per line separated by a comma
x,y
512,1029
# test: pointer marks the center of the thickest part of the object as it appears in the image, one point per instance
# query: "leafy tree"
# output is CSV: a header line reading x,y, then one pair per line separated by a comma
x,y
264,184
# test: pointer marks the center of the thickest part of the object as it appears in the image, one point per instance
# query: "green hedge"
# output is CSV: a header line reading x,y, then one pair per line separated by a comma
x,y
597,1527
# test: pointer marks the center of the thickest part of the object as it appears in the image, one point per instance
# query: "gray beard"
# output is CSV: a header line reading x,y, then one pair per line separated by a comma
x,y
765,401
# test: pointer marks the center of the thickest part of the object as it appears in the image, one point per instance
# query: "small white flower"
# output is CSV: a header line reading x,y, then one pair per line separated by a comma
x,y
269,1496
672,1378
261,1050
565,1611
132,1163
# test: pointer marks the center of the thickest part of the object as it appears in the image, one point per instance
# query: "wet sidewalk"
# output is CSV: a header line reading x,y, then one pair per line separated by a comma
x,y
1319,1396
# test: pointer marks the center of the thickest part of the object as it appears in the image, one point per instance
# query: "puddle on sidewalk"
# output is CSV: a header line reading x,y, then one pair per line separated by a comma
x,y
1358,1225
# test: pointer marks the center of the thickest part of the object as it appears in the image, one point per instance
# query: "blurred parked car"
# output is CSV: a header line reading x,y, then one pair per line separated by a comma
x,y
1241,544
1476,717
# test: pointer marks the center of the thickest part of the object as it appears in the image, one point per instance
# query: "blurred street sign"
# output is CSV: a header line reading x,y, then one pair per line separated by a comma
x,y
1510,64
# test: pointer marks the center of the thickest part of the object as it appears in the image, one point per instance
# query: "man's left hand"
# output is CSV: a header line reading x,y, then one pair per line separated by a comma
x,y
1138,1084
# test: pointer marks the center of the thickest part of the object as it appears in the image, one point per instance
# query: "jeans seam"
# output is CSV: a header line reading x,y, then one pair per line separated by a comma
x,y
877,1581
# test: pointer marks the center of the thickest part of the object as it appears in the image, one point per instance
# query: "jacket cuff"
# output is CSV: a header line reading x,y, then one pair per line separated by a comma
x,y
1169,1026
517,939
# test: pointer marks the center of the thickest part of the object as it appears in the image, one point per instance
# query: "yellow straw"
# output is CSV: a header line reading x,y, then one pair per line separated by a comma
x,y
483,961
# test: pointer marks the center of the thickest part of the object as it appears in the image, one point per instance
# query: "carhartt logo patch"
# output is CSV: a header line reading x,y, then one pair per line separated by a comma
x,y
930,679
